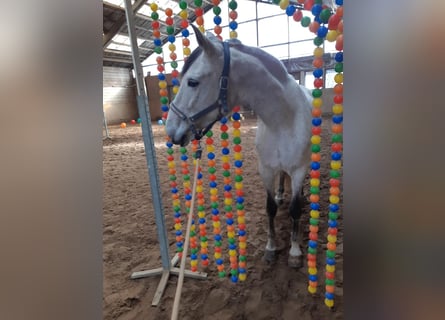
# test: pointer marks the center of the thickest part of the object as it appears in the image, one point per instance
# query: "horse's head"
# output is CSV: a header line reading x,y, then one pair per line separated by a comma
x,y
202,95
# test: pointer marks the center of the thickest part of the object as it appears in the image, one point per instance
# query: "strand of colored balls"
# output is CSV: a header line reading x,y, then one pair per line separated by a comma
x,y
214,204
238,163
217,18
336,155
199,12
228,209
201,209
233,25
175,196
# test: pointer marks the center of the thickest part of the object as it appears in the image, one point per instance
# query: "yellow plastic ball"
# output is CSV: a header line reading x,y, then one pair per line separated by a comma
x,y
315,139
213,191
183,14
284,4
318,52
238,156
186,184
175,89
201,214
317,102
332,238
241,220
187,51
216,224
335,165
233,34
337,108
315,214
162,84
171,164
225,159
210,148
312,290
332,35
238,185
231,234
242,277
228,201
199,189
153,6
194,263
217,255
177,226
330,268
176,202
171,47
329,302
202,29
312,271
338,78
243,245
204,244
232,253
334,199
315,182
236,132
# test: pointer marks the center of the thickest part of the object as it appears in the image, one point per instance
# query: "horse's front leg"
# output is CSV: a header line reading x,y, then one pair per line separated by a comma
x,y
295,255
271,207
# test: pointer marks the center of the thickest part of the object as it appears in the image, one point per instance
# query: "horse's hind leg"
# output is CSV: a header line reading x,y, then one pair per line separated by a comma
x,y
268,178
279,196
269,254
295,255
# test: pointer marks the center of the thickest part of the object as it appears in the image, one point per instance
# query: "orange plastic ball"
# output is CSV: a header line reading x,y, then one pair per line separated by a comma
x,y
339,43
199,21
318,62
168,12
316,112
156,33
314,198
217,29
337,128
313,229
331,246
339,11
334,191
338,88
316,157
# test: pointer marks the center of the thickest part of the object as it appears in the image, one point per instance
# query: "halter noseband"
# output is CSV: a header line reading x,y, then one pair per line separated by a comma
x,y
220,103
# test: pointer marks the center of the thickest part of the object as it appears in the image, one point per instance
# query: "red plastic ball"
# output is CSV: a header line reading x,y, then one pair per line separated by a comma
x,y
318,83
169,21
316,130
175,73
298,15
184,24
155,24
338,99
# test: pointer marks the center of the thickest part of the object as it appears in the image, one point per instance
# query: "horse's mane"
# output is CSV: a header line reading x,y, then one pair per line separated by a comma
x,y
273,65
191,58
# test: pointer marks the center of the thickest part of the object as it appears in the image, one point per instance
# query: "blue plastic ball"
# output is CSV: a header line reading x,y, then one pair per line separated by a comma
x,y
315,165
315,206
219,261
232,246
217,20
174,190
188,197
312,243
200,175
333,207
339,57
238,163
336,156
211,156
290,10
202,220
242,232
234,278
318,73
236,116
316,122
313,277
337,119
233,25
161,76
215,212
171,38
217,237
223,120
164,108
322,31
179,244
225,150
330,261
212,184
227,187
175,82
157,42
333,223
229,222
184,157
316,9
185,33
193,256
329,295
240,200
339,2
204,256
169,144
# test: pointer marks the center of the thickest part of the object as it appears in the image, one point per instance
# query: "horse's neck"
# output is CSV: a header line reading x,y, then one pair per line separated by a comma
x,y
254,87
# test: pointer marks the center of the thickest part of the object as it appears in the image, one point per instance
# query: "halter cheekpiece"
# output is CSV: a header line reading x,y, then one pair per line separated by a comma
x,y
220,103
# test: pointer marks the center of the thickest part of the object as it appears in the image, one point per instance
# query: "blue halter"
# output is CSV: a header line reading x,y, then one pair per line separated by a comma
x,y
220,103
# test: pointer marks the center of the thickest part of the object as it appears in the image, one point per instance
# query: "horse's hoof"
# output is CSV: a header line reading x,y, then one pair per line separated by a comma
x,y
279,200
270,256
295,262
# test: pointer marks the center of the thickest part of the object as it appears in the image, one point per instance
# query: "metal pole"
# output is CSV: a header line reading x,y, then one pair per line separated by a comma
x,y
150,153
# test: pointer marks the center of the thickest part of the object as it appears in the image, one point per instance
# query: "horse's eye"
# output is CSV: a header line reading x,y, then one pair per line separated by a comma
x,y
193,83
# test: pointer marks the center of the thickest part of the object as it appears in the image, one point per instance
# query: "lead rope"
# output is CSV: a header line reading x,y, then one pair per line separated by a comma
x,y
187,239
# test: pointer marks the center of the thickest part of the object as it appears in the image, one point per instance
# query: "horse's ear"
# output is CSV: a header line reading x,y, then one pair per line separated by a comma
x,y
205,43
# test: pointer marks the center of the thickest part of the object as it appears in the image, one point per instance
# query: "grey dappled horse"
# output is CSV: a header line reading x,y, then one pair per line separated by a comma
x,y
219,75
